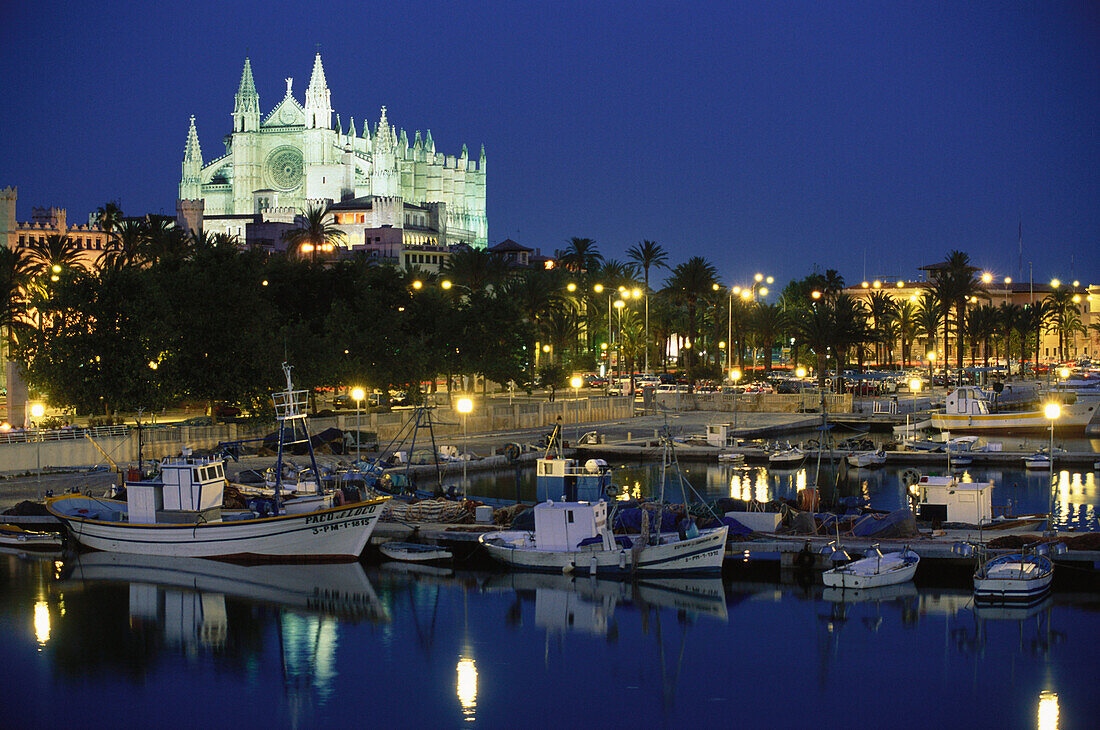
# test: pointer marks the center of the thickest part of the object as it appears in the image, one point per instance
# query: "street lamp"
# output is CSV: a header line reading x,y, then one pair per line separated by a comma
x,y
914,387
735,375
619,304
464,406
931,374
357,394
576,382
801,373
36,412
1052,411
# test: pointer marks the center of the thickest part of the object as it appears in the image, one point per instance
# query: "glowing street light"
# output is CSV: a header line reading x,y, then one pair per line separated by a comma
x,y
987,277
464,406
357,395
1052,411
417,285
446,284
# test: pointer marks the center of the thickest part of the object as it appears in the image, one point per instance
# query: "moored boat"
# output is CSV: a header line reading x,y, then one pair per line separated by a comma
x,y
867,459
968,410
874,570
575,537
1037,461
411,552
1013,578
16,536
789,457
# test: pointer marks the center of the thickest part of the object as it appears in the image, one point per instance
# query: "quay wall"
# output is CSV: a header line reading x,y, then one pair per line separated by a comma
x,y
753,402
169,440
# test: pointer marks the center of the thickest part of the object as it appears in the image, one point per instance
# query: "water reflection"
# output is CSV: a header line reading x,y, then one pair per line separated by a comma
x,y
438,647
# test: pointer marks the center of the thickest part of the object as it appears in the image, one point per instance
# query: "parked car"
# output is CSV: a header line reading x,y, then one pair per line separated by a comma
x,y
343,401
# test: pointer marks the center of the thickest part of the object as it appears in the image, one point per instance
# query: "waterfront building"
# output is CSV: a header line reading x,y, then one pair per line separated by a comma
x,y
297,155
997,293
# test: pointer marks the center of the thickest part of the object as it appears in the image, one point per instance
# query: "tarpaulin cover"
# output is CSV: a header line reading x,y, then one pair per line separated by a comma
x,y
630,520
900,522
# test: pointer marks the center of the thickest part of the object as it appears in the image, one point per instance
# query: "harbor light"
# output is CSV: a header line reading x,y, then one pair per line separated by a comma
x,y
1008,279
357,394
865,284
598,288
901,284
263,283
1052,411
464,405
571,286
546,348
800,372
769,280
722,345
1048,711
37,410
735,375
746,294
987,277
619,304
1064,373
914,384
418,284
763,291
576,382
759,277
56,269
446,284
815,294
1055,283
715,286
877,284
1076,283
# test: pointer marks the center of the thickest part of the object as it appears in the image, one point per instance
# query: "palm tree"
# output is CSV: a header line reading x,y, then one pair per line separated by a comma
x,y
883,310
316,232
689,283
834,283
16,273
907,328
814,329
127,247
108,217
958,285
53,254
538,298
580,256
647,255
1037,316
1009,318
1065,318
768,322
474,268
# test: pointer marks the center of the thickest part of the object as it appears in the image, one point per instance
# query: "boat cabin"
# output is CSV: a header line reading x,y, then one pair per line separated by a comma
x,y
562,479
563,525
945,499
189,489
722,435
969,401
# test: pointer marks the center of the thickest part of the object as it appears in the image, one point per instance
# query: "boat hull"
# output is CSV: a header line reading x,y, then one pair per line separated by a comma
x,y
1074,418
17,537
999,582
694,556
339,533
853,575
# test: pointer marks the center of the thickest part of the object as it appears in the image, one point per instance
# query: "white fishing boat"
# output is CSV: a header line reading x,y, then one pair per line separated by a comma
x,y
867,459
1037,460
411,552
179,513
731,457
1013,578
874,570
786,458
968,410
15,536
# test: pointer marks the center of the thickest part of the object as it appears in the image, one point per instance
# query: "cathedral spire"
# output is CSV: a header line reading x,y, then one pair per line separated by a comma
x,y
351,128
429,143
192,152
318,101
481,160
418,143
246,104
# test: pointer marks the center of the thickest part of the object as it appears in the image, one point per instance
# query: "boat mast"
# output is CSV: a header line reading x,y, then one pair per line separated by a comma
x,y
290,406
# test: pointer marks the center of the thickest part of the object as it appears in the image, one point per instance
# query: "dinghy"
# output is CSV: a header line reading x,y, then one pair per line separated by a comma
x,y
411,552
15,536
1013,578
874,570
867,459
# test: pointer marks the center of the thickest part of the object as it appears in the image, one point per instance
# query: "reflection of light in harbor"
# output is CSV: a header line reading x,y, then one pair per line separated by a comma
x,y
467,687
1048,710
41,623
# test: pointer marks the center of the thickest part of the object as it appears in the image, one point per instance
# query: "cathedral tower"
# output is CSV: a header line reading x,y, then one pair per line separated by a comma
x,y
318,103
191,180
246,105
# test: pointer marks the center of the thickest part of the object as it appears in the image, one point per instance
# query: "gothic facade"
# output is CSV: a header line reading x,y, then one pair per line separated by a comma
x,y
295,157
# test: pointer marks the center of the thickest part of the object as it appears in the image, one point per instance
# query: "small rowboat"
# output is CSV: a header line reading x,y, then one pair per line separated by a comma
x,y
412,552
731,457
15,536
1013,578
876,569
1037,461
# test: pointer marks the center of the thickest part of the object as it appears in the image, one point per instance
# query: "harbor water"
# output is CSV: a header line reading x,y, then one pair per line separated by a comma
x,y
127,641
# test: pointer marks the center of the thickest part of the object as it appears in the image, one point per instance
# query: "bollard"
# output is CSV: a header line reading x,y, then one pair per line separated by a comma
x,y
628,435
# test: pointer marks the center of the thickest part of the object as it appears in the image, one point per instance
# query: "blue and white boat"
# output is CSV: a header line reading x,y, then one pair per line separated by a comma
x,y
1013,578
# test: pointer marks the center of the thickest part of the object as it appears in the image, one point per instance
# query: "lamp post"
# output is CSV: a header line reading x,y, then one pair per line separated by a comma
x,y
576,382
735,375
619,304
801,373
1052,411
931,373
357,394
36,412
464,406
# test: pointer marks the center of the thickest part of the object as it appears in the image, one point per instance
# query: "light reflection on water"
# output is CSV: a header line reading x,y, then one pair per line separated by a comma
x,y
288,644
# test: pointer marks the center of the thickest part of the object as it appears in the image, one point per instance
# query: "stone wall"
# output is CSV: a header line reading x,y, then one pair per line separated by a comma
x,y
753,402
159,442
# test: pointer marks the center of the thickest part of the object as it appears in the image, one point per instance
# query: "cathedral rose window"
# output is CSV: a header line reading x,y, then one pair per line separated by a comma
x,y
284,168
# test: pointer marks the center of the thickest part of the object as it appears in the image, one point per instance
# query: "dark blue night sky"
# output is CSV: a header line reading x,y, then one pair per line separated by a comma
x,y
772,136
